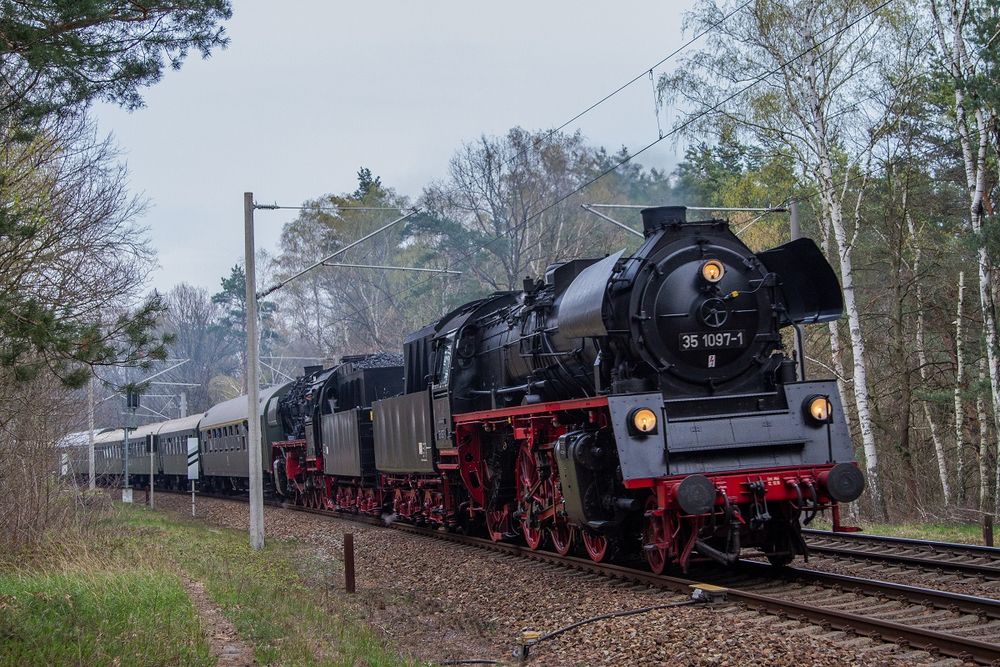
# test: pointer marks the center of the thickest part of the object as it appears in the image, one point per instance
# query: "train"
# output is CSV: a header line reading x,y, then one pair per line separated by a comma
x,y
627,406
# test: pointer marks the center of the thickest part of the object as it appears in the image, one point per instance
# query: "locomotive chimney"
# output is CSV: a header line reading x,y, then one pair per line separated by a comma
x,y
654,219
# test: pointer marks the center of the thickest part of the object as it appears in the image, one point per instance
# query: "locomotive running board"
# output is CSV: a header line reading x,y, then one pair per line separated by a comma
x,y
535,408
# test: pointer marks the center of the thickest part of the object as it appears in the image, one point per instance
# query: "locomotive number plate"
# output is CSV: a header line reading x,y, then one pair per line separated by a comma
x,y
713,340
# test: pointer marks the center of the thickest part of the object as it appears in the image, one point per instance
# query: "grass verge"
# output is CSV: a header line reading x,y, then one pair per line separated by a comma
x,y
965,533
117,598
98,618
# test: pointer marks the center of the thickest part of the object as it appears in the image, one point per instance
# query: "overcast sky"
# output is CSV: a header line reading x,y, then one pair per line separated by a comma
x,y
308,92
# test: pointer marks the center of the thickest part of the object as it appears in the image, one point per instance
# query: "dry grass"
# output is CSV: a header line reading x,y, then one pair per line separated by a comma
x,y
36,503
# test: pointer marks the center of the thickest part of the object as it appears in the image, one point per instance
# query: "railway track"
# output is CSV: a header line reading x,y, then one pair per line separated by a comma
x,y
962,559
939,622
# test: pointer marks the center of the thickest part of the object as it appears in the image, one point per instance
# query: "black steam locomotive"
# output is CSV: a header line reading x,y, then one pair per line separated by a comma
x,y
642,404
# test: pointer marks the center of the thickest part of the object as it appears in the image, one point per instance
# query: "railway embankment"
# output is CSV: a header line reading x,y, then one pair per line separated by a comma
x,y
148,588
437,601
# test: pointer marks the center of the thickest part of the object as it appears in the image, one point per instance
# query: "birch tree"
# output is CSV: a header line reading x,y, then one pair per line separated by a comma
x,y
959,388
817,81
921,345
974,121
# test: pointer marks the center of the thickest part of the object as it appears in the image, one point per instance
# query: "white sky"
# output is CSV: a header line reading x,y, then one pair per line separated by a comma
x,y
308,92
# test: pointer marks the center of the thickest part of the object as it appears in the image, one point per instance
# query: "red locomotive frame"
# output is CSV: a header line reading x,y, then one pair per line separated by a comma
x,y
457,494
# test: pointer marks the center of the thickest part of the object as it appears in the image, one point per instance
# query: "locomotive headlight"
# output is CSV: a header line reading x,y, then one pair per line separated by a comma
x,y
818,409
713,270
643,421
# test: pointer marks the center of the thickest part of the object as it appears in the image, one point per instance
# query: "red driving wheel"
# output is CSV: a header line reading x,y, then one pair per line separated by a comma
x,y
528,491
595,544
653,533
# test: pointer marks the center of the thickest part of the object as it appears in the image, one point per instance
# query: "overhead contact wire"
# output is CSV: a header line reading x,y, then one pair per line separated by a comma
x,y
548,135
679,128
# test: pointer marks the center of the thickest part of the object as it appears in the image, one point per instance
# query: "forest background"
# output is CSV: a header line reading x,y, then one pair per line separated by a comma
x,y
879,118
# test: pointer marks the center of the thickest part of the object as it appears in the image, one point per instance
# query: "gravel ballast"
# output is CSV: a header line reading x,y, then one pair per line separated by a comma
x,y
437,601
925,578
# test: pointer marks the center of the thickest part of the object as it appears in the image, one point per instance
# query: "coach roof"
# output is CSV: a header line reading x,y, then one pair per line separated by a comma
x,y
235,410
189,423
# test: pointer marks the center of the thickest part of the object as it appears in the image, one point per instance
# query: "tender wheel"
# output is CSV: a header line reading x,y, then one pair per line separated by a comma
x,y
528,488
653,533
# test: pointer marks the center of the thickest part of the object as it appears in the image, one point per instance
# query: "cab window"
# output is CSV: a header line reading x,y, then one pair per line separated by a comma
x,y
442,372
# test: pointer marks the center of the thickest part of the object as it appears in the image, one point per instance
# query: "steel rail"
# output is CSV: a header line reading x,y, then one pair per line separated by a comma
x,y
902,559
863,538
920,638
938,554
970,604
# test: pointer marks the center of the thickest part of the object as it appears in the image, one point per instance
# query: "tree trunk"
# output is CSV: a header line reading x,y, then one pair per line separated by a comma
x,y
922,362
836,347
900,353
984,440
959,381
861,398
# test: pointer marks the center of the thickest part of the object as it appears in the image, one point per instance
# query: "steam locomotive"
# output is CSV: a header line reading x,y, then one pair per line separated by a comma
x,y
637,404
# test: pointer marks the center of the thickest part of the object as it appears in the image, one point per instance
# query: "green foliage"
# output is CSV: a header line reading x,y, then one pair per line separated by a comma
x,y
367,184
70,261
232,323
37,337
962,533
985,20
57,56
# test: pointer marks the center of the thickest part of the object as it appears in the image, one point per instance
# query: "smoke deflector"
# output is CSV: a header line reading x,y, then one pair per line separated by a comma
x,y
581,310
807,281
